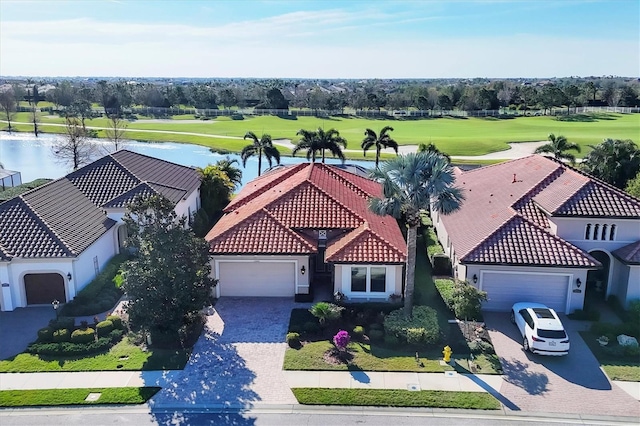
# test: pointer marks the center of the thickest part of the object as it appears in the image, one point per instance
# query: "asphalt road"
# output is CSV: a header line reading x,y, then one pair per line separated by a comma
x,y
308,416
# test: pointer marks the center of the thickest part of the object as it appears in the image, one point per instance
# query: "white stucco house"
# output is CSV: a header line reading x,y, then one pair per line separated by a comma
x,y
55,238
300,227
535,229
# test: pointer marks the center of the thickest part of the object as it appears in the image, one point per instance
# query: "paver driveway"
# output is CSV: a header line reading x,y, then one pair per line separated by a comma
x,y
20,327
570,384
238,359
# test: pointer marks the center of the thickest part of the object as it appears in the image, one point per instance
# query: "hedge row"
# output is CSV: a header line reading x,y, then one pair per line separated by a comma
x,y
421,328
445,288
70,348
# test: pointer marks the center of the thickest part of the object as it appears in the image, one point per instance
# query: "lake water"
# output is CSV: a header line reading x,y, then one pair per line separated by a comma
x,y
32,156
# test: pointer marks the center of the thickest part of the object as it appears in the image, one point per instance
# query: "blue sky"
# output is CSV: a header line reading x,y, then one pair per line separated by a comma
x,y
320,39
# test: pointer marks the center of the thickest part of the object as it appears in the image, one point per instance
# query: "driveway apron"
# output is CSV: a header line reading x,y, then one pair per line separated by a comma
x,y
570,384
238,359
20,327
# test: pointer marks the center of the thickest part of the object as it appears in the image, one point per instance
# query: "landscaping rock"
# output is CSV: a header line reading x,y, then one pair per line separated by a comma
x,y
624,340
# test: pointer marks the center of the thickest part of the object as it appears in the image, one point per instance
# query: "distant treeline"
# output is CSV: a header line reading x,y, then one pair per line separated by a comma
x,y
117,96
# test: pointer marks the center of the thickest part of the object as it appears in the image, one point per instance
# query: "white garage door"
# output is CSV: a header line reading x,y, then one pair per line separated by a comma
x,y
503,290
264,279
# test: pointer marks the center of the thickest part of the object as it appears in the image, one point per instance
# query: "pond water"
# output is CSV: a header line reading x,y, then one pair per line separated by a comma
x,y
32,156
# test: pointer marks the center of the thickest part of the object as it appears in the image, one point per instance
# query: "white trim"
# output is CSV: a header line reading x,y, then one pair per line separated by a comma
x,y
569,282
216,263
389,284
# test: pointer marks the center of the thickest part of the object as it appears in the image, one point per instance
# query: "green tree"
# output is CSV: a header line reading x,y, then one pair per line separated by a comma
x,y
633,186
260,147
168,280
216,187
308,141
467,300
430,147
615,161
80,108
412,183
8,104
381,141
233,173
558,148
325,311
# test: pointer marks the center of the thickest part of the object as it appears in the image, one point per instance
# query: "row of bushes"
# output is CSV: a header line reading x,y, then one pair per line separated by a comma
x,y
64,330
440,262
612,331
421,328
101,294
66,348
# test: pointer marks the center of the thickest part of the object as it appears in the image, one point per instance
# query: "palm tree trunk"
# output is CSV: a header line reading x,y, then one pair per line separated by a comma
x,y
377,155
410,272
259,162
323,156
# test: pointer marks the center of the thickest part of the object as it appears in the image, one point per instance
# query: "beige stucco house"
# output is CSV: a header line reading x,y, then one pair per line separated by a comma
x,y
298,228
535,229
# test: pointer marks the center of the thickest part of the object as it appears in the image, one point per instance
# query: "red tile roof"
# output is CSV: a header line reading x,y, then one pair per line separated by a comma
x,y
527,189
289,200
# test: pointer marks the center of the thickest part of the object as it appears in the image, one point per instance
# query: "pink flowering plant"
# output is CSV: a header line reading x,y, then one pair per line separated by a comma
x,y
341,340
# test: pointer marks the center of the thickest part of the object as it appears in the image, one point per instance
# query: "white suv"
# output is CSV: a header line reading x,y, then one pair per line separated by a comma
x,y
540,328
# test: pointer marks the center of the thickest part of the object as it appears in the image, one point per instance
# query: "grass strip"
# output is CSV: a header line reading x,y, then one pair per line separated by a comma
x,y
53,397
396,398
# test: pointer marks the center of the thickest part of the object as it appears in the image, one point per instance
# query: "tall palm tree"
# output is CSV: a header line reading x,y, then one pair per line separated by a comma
x,y
430,147
381,141
233,173
263,146
332,141
559,147
412,183
309,142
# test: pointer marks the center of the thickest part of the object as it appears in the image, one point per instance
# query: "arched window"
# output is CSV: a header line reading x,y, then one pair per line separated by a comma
x,y
604,232
596,230
587,232
612,233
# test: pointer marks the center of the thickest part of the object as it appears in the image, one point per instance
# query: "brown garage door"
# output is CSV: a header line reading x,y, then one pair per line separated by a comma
x,y
44,288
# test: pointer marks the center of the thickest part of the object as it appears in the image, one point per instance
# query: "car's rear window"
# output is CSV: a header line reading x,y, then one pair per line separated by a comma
x,y
552,334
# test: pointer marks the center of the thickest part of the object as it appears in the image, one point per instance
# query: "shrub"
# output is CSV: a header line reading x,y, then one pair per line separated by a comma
x,y
45,335
376,326
467,300
326,311
634,310
293,340
358,332
104,327
445,288
585,315
376,335
391,340
481,346
441,264
83,336
415,336
310,327
614,330
72,349
62,322
423,318
341,340
61,335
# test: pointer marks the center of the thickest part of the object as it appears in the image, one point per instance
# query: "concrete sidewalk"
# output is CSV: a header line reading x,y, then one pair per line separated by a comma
x,y
87,379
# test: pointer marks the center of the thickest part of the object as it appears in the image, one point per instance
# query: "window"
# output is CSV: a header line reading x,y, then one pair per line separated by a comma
x,y
596,229
612,233
604,232
587,232
322,234
358,279
600,231
378,280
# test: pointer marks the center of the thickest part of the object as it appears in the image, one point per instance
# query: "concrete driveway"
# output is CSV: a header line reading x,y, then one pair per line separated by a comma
x,y
571,384
20,327
237,362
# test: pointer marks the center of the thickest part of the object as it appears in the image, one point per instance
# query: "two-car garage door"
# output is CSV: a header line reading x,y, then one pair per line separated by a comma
x,y
257,279
503,290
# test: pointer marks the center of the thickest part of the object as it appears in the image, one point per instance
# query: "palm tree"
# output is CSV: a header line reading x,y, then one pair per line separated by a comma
x,y
614,161
259,147
331,140
430,147
382,141
412,183
309,142
558,147
233,173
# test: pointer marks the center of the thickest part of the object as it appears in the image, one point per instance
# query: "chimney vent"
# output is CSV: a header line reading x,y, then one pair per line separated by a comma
x,y
514,178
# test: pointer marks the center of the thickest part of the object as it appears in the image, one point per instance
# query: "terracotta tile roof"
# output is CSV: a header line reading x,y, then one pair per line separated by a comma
x,y
629,254
361,244
64,217
521,242
309,196
528,188
54,220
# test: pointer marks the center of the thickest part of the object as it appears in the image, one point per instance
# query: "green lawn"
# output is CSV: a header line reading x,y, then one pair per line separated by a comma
x,y
17,190
396,398
52,397
455,136
123,356
617,368
365,357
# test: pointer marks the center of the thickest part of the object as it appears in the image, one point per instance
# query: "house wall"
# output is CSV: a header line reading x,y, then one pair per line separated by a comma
x,y
83,266
301,281
619,282
573,230
575,300
189,206
633,292
342,282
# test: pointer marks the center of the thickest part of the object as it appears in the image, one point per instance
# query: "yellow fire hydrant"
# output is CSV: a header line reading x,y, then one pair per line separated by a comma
x,y
447,353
